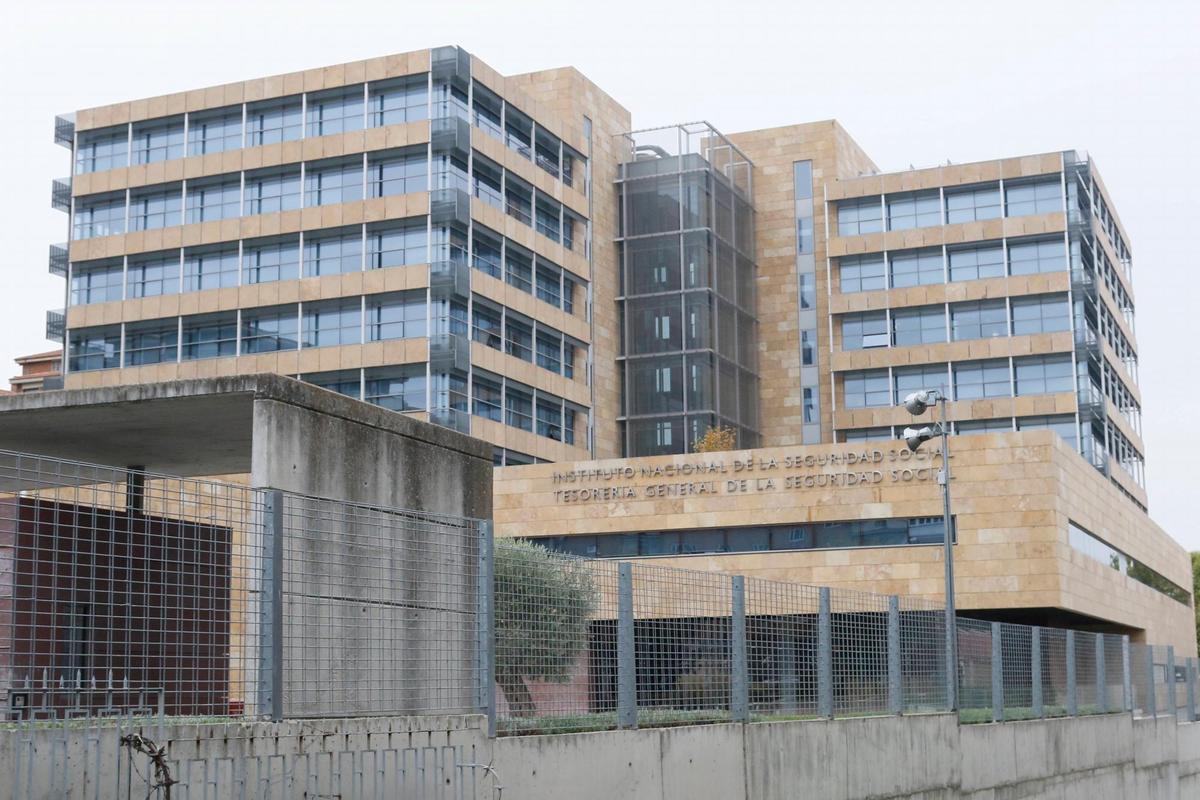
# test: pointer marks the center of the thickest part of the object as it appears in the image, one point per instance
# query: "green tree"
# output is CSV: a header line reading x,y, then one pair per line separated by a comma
x,y
1196,590
543,603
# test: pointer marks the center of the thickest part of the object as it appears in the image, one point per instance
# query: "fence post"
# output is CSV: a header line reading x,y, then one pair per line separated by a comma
x,y
895,692
1151,706
1035,672
1172,695
626,668
1072,697
486,645
739,698
270,629
1126,676
997,674
1101,675
824,656
1191,689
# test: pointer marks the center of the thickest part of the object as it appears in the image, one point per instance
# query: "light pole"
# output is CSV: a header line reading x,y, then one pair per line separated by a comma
x,y
916,404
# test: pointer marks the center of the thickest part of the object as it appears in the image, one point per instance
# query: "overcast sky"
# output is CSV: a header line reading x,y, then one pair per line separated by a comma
x,y
914,82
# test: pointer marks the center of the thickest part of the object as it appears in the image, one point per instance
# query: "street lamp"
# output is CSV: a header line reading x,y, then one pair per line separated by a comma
x,y
916,404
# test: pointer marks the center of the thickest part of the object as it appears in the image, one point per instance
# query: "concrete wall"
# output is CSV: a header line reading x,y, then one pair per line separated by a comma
x,y
915,758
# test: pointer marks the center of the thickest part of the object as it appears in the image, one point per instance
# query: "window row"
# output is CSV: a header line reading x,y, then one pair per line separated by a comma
x,y
817,536
523,269
976,319
325,323
519,199
342,180
253,261
955,263
1062,424
519,406
964,380
950,205
1093,547
503,329
349,108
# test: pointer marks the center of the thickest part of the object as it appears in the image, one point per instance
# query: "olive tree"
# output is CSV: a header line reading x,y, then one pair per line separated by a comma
x,y
543,603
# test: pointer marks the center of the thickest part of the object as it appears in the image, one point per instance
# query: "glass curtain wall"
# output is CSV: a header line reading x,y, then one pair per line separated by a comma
x,y
689,337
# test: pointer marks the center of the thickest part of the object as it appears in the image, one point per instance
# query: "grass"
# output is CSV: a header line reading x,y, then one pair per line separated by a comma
x,y
650,718
975,716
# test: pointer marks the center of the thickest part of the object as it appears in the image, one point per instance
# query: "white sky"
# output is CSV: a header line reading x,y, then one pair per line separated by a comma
x,y
914,82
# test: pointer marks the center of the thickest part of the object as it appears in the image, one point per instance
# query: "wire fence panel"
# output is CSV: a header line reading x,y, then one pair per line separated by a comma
x,y
380,610
922,655
1016,646
975,669
860,653
782,631
126,593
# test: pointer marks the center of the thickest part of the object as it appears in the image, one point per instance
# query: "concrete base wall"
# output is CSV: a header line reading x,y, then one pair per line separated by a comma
x,y
417,758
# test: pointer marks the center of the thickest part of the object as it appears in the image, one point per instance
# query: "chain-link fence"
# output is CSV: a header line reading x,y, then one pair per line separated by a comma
x,y
130,594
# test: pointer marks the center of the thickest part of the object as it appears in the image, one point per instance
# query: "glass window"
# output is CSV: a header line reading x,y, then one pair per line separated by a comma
x,y
273,121
98,216
866,434
518,338
518,131
487,255
914,379
866,388
979,261
102,149
1033,197
518,407
1040,314
486,183
1004,425
917,268
487,326
861,331
212,200
397,388
1063,425
397,173
94,348
862,273
269,191
266,330
808,347
549,418
397,244
156,208
157,140
915,210
518,268
1044,255
488,109
209,268
210,336
333,182
568,294
979,379
980,319
549,350
336,111
214,131
345,382
1045,374
96,283
808,290
924,325
401,315
863,215
333,253
152,342
976,203
267,260
332,322
549,286
488,401
548,219
152,275
400,100
546,151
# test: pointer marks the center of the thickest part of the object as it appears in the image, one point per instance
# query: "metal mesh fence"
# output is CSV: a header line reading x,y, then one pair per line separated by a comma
x,y
130,594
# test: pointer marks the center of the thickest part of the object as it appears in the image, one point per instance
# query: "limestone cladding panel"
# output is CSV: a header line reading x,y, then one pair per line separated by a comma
x,y
1013,496
377,209
525,441
937,235
252,158
574,97
524,303
955,292
968,350
774,153
946,175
